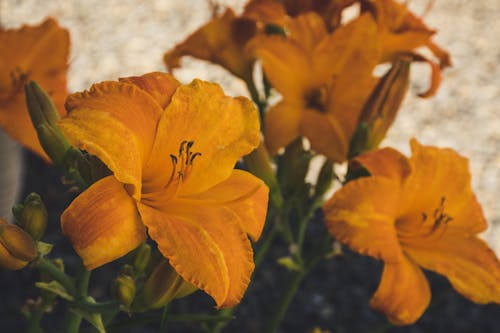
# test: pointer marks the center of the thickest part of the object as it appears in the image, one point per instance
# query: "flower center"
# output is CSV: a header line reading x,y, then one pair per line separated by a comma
x,y
316,99
182,163
426,226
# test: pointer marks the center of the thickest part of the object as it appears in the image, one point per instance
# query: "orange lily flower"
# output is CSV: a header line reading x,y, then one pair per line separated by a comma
x,y
222,40
324,80
172,150
414,213
329,10
401,31
37,53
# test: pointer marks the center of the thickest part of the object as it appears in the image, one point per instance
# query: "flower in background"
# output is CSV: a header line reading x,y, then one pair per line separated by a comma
x,y
172,150
414,213
402,32
222,40
37,53
324,80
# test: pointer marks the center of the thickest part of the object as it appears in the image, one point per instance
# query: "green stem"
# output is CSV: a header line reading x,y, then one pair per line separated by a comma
x,y
317,254
164,318
34,322
66,281
72,322
73,319
286,298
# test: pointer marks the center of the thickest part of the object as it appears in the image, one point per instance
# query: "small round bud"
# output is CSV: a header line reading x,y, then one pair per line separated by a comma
x,y
17,248
34,216
123,289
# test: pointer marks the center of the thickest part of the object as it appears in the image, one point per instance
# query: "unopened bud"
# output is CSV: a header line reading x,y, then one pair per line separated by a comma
x,y
142,258
17,248
293,166
325,179
33,218
44,116
163,286
382,107
123,289
258,163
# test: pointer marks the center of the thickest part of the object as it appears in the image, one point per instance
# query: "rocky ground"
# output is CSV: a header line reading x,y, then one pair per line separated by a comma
x,y
117,38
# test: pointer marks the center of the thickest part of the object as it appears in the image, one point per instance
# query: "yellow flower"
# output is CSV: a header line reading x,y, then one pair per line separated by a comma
x,y
324,80
402,32
413,213
172,150
37,53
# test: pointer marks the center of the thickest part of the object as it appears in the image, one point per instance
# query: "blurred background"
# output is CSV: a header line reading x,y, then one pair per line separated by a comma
x,y
118,38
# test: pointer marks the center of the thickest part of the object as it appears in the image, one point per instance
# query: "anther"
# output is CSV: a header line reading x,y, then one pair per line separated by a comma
x,y
193,157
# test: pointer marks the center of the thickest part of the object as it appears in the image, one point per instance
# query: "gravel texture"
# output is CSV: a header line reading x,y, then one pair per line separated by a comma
x,y
116,38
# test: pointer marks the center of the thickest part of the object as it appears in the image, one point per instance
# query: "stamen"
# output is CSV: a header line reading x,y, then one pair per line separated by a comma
x,y
182,163
193,157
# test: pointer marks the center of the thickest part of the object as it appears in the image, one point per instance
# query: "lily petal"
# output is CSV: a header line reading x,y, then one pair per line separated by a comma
x,y
206,246
281,126
469,264
442,175
222,128
220,41
245,195
104,136
286,64
129,104
325,134
361,215
403,293
103,223
161,86
386,162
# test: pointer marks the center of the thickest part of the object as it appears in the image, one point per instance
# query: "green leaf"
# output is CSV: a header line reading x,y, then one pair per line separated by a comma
x,y
56,288
289,263
44,248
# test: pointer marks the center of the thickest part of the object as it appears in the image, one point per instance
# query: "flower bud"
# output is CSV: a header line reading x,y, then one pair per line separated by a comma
x,y
33,218
325,179
142,258
258,163
123,289
382,106
17,248
44,116
293,166
163,286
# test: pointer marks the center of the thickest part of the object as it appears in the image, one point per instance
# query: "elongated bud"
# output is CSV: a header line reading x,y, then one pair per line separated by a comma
x,y
33,218
123,289
325,179
382,107
293,166
17,248
44,116
142,258
258,163
163,286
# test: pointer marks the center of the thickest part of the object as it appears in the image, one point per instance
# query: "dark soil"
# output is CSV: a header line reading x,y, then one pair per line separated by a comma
x,y
335,296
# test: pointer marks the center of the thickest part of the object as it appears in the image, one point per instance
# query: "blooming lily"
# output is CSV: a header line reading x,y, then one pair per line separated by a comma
x,y
222,40
31,53
172,150
413,213
324,80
